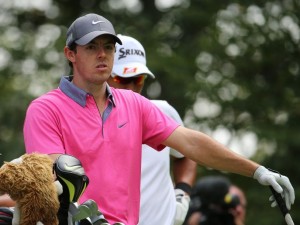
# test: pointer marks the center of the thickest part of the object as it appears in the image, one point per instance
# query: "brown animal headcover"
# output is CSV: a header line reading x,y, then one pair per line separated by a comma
x,y
29,181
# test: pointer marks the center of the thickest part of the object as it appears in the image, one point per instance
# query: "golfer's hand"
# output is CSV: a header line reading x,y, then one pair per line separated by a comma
x,y
182,206
280,183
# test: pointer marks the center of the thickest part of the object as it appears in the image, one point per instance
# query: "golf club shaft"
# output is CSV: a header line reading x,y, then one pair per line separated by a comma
x,y
282,206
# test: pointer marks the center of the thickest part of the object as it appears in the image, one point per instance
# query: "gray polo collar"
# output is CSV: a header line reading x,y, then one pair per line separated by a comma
x,y
78,95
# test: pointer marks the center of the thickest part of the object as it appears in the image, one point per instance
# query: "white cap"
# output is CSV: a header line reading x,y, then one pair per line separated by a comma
x,y
130,58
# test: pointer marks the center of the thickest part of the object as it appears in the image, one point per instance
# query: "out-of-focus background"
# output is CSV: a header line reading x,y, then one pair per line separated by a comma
x,y
231,69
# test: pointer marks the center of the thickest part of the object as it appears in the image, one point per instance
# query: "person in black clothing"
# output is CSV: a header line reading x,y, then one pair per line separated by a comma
x,y
215,201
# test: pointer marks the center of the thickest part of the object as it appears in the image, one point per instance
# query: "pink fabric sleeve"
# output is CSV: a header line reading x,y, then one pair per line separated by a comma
x,y
157,126
41,130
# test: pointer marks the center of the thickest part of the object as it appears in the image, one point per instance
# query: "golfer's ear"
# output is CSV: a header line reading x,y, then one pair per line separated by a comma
x,y
70,54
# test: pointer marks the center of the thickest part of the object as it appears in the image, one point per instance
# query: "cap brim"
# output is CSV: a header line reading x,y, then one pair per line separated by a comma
x,y
131,70
90,36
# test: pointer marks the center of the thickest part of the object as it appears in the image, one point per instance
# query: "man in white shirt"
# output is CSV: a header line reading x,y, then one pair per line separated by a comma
x,y
158,194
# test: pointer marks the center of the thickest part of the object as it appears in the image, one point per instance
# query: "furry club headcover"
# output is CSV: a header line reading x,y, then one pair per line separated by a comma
x,y
29,181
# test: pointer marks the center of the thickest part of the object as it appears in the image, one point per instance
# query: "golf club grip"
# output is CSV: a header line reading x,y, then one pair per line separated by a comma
x,y
280,201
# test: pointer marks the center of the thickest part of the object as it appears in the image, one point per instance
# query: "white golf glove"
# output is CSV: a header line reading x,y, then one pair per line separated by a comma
x,y
182,206
280,183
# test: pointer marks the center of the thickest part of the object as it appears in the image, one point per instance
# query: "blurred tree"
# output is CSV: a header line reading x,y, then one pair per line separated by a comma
x,y
28,63
246,72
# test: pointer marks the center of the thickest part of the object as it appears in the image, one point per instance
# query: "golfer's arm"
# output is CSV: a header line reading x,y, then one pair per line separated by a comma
x,y
184,170
208,152
54,156
6,201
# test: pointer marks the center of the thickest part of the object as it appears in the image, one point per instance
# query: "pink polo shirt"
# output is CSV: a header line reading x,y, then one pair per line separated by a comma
x,y
67,121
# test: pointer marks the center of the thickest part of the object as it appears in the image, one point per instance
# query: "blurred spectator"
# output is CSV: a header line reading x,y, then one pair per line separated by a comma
x,y
215,201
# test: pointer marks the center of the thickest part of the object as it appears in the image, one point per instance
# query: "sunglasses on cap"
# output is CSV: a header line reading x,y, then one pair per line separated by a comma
x,y
137,80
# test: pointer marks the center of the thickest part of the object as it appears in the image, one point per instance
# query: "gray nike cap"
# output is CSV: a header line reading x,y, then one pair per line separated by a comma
x,y
86,28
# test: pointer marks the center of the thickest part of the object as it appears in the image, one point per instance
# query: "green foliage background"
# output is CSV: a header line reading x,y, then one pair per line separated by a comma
x,y
241,57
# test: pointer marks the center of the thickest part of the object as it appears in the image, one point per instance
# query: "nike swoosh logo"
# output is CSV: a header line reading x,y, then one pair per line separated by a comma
x,y
122,125
95,22
72,168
